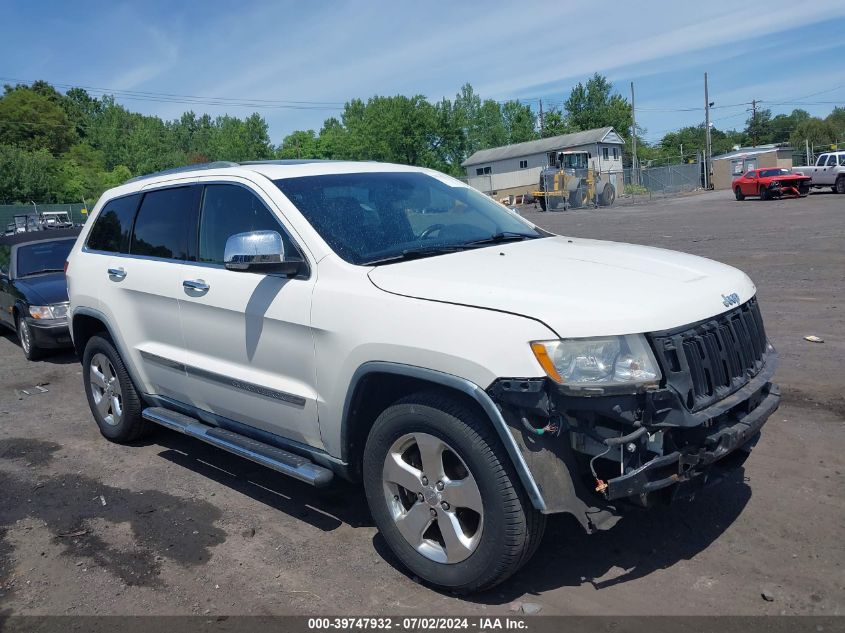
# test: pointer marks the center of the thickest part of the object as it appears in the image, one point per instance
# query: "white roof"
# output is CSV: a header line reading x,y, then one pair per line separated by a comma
x,y
544,145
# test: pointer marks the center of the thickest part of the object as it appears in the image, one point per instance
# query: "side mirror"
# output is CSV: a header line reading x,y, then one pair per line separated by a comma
x,y
260,251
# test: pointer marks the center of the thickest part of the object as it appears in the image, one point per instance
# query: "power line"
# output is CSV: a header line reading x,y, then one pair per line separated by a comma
x,y
167,97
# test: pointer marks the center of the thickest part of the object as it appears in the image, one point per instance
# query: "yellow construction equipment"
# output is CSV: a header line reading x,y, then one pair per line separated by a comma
x,y
571,183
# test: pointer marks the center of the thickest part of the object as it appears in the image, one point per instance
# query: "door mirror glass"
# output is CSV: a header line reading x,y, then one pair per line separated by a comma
x,y
260,251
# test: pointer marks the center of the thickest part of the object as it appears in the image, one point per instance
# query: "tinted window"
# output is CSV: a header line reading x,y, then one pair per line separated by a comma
x,y
113,225
42,257
821,160
161,228
831,160
227,210
751,174
5,253
372,216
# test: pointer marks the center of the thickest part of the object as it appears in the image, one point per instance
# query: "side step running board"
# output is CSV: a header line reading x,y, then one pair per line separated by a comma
x,y
274,458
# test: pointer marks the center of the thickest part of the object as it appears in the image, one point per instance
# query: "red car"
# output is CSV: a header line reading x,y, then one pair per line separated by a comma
x,y
771,182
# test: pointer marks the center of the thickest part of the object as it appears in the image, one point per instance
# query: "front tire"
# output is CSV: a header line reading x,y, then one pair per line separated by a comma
x,y
739,195
28,345
114,401
764,193
444,495
839,187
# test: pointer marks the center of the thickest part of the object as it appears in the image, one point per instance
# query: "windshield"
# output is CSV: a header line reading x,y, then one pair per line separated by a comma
x,y
43,257
766,173
369,218
574,161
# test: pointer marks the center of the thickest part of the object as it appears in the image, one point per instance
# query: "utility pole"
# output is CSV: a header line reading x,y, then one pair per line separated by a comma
x,y
754,122
682,153
708,153
807,148
634,171
541,118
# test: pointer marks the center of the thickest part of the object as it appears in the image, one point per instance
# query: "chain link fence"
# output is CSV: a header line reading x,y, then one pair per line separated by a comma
x,y
585,189
9,211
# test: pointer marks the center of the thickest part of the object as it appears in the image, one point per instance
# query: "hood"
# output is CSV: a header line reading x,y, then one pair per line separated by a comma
x,y
43,289
577,287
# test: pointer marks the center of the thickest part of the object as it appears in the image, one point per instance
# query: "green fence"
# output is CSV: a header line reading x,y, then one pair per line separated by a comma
x,y
8,211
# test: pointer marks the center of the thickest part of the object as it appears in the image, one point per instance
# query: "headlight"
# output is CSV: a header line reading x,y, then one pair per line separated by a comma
x,y
56,311
612,361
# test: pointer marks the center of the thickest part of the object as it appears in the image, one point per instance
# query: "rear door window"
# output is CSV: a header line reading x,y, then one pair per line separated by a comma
x,y
113,225
163,223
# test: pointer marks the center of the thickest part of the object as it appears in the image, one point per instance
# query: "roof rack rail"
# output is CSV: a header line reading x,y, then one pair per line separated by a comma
x,y
177,170
287,161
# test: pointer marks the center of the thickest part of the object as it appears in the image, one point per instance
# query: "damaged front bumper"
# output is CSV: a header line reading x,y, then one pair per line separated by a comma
x,y
573,445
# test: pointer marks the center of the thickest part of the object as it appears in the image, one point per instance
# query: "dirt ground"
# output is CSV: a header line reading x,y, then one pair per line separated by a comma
x,y
172,526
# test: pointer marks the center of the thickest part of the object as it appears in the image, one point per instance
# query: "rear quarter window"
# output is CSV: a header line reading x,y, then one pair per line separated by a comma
x,y
113,225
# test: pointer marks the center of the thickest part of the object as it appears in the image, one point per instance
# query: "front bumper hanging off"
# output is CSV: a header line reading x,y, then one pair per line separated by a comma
x,y
739,434
552,429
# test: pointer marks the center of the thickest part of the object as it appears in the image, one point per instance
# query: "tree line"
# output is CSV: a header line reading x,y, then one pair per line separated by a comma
x,y
71,146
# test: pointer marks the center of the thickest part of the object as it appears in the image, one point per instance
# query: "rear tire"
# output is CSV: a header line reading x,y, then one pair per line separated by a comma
x,y
764,193
114,401
498,529
739,195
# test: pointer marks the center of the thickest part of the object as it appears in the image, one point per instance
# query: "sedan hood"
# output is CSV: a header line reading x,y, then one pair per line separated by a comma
x,y
577,287
44,289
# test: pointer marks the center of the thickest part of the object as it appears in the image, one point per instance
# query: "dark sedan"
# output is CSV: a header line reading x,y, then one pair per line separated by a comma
x,y
33,288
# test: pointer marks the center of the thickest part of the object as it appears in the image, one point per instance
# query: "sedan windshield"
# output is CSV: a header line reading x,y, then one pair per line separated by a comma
x,y
43,257
767,173
377,218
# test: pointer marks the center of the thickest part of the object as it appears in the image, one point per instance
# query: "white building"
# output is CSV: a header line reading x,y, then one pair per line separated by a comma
x,y
515,169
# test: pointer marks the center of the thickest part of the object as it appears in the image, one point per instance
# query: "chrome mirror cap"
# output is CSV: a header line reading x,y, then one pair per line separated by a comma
x,y
259,251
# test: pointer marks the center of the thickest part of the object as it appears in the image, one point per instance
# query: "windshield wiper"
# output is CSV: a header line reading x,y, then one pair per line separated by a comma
x,y
44,270
504,236
417,253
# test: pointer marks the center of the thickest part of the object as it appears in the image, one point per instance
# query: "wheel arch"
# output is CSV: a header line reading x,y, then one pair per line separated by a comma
x,y
88,322
376,385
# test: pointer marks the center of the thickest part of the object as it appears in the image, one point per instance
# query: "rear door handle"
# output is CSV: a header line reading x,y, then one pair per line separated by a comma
x,y
117,273
195,284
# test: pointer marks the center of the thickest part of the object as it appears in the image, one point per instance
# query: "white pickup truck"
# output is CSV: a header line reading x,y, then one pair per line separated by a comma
x,y
829,171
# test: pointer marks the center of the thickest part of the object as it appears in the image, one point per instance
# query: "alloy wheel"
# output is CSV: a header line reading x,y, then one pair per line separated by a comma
x,y
105,388
433,498
24,336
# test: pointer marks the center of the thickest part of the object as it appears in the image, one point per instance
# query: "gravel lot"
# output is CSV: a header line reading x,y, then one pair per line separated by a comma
x,y
171,526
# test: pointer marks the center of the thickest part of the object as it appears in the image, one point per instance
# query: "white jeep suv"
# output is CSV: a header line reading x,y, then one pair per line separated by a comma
x,y
392,325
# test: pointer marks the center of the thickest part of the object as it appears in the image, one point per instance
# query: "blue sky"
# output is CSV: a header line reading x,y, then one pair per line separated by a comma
x,y
281,54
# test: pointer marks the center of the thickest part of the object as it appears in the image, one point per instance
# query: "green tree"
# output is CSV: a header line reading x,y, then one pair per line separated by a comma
x,y
300,144
836,120
27,175
758,126
520,122
32,121
554,124
595,105
813,130
782,125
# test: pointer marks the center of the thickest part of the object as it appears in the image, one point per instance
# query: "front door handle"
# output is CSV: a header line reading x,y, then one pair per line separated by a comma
x,y
117,273
195,284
